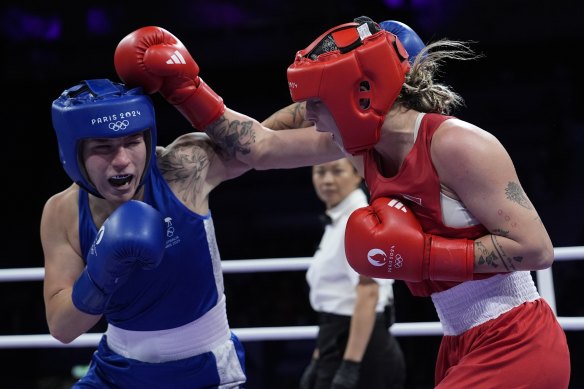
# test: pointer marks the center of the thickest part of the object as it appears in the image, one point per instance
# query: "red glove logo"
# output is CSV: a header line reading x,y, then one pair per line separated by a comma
x,y
176,58
397,205
377,257
386,233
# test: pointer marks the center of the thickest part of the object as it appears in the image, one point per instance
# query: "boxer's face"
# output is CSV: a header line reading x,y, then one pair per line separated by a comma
x,y
317,112
115,165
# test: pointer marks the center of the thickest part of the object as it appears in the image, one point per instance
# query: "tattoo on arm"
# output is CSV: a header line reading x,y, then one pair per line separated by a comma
x,y
485,257
495,257
232,137
501,232
289,117
298,113
185,167
501,254
516,194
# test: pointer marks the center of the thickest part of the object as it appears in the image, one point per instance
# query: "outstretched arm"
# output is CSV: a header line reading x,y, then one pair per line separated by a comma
x,y
246,140
155,59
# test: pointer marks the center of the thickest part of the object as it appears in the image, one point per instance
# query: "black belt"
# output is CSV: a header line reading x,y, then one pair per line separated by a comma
x,y
388,315
327,318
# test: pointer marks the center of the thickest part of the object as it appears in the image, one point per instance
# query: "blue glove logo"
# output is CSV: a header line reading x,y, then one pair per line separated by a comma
x,y
93,249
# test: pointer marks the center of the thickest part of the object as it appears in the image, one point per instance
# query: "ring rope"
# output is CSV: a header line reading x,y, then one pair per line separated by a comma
x,y
544,279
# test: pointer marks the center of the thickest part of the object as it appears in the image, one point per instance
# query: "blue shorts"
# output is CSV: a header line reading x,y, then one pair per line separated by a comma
x,y
222,368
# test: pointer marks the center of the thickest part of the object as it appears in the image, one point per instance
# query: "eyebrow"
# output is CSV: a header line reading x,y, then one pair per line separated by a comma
x,y
103,140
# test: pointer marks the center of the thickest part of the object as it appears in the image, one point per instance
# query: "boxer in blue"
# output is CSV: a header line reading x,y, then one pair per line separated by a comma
x,y
133,241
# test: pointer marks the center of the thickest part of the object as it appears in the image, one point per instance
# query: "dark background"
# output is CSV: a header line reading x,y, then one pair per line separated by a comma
x,y
527,91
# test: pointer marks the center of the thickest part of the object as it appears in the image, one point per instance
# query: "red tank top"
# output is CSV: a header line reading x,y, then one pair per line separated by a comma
x,y
417,185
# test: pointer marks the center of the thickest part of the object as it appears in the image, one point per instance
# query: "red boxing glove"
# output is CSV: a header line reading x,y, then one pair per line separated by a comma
x,y
156,60
385,240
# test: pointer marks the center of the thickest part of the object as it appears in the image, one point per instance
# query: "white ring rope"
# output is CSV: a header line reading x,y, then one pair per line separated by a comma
x,y
544,280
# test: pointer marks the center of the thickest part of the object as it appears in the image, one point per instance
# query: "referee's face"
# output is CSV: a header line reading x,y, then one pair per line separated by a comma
x,y
333,181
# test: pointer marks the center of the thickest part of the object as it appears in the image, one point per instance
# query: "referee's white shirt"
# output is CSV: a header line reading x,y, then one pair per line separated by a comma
x,y
331,279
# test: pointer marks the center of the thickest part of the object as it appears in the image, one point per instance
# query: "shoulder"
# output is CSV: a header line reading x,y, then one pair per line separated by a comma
x,y
189,152
63,203
465,153
185,143
459,141
60,216
455,133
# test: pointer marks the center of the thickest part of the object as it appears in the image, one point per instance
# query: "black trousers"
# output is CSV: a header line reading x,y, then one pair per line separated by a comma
x,y
383,365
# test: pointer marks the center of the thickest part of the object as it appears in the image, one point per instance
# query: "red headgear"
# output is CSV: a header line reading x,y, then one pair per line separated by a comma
x,y
357,73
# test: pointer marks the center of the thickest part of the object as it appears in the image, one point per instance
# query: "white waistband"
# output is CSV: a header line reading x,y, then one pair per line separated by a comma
x,y
474,302
194,338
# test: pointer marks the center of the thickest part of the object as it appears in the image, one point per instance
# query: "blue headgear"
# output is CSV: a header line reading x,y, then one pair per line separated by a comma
x,y
407,36
100,109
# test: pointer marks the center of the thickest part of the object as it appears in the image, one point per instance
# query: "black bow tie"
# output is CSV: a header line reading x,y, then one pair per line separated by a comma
x,y
325,219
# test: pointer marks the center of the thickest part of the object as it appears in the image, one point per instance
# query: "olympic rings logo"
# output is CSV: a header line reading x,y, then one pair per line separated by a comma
x,y
398,261
119,125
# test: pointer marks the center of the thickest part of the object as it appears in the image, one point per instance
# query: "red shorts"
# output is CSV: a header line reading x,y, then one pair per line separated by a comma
x,y
523,348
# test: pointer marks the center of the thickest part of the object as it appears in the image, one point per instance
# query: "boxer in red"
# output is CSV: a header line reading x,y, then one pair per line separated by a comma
x,y
448,214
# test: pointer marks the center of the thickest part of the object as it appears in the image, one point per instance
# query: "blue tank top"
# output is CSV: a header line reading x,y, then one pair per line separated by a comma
x,y
189,280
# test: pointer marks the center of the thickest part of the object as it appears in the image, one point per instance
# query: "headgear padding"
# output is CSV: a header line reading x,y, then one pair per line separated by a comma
x,y
357,73
100,109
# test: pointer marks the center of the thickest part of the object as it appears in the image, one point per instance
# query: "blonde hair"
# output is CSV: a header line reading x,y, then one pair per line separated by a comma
x,y
420,90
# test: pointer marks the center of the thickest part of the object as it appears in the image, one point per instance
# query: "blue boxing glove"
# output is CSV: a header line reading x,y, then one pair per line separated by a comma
x,y
408,37
131,237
